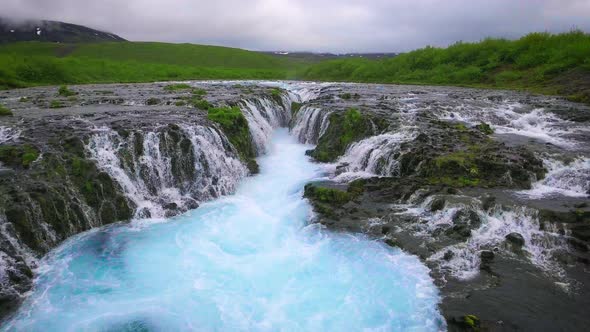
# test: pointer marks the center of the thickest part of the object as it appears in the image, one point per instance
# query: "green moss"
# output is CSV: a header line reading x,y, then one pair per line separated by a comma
x,y
5,111
276,92
199,92
295,107
65,92
56,104
235,126
23,99
177,87
485,128
326,195
344,129
152,101
201,104
22,155
180,103
348,96
471,321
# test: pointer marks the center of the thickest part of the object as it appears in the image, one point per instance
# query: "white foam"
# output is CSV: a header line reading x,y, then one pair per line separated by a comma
x,y
8,134
567,179
376,155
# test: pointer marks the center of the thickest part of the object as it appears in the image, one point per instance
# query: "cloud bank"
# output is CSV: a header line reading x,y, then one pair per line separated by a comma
x,y
311,25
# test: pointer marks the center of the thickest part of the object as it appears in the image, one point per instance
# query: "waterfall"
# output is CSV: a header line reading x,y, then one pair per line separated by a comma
x,y
310,124
568,179
8,134
541,242
173,168
514,118
263,117
376,155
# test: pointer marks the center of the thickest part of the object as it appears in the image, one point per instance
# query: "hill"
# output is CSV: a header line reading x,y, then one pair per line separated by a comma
x,y
539,62
36,63
51,31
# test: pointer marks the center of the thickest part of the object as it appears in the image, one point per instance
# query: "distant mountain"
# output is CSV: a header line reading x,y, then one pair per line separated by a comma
x,y
51,31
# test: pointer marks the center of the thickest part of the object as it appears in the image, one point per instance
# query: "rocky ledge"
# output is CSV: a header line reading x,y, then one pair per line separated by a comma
x,y
76,158
489,188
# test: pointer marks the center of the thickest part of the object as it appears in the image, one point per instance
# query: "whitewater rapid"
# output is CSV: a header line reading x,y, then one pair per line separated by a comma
x,y
245,262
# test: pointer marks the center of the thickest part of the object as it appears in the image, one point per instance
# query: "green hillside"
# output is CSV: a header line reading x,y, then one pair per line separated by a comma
x,y
35,63
538,62
541,62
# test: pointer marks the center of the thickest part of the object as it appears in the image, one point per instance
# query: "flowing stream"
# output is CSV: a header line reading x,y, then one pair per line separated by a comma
x,y
245,262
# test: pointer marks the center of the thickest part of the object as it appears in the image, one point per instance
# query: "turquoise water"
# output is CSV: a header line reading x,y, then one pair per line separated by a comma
x,y
247,262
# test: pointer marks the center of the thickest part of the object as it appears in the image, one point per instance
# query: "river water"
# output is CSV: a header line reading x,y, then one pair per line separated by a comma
x,y
245,262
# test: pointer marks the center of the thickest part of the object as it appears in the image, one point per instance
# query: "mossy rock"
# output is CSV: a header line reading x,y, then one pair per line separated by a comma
x,y
153,101
485,128
235,127
5,111
56,104
295,107
177,87
345,128
64,91
18,155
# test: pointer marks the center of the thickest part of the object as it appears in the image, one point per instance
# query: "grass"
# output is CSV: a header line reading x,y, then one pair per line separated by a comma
x,y
56,104
538,62
5,111
177,87
35,63
65,92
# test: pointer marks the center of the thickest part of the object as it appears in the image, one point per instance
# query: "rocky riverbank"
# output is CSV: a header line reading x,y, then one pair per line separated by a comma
x,y
77,158
489,188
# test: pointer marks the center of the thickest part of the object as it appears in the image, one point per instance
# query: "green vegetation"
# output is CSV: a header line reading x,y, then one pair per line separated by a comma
x,y
177,87
35,63
295,107
485,128
327,195
152,101
235,126
540,62
345,128
471,321
5,111
65,92
199,103
16,156
199,92
56,104
348,96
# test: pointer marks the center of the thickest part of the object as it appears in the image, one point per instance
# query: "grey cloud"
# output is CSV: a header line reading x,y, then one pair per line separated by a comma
x,y
317,25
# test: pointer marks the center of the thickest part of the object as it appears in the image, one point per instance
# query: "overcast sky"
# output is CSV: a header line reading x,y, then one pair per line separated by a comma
x,y
313,25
